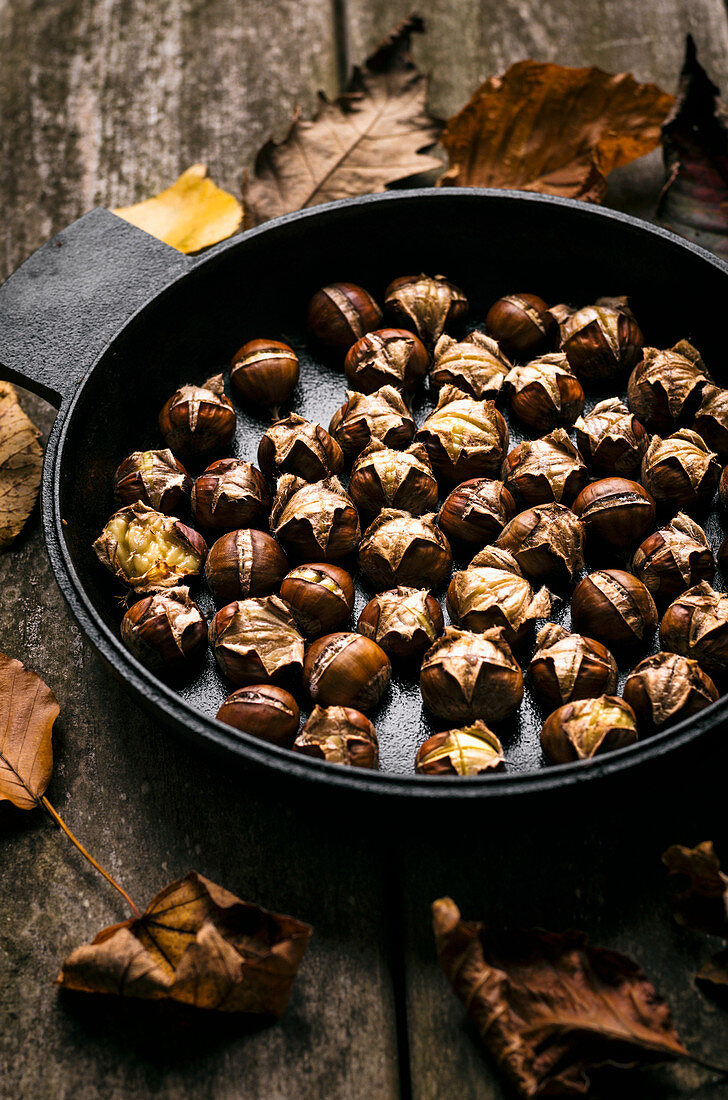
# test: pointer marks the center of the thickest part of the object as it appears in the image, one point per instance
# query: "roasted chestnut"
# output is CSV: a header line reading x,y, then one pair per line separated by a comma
x,y
588,727
264,711
400,549
339,735
665,389
387,357
403,621
156,479
384,478
615,511
339,314
347,670
475,365
314,522
674,558
492,592
611,439
425,303
466,676
521,323
381,415
256,641
146,549
696,625
476,511
680,472
198,419
244,563
569,666
230,493
665,688
711,420
539,471
601,341
472,750
264,372
321,597
295,446
464,438
166,630
544,394
547,541
614,607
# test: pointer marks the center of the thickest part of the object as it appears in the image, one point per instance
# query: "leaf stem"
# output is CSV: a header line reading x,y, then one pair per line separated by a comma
x,y
59,821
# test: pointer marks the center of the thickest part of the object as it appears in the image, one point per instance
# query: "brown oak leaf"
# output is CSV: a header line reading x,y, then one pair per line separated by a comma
x,y
198,944
551,128
549,1007
372,136
21,460
699,888
28,709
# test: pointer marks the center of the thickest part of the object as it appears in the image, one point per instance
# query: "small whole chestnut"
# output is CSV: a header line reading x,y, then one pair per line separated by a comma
x,y
547,541
264,372
341,313
522,324
665,689
256,641
539,471
156,479
314,521
587,728
264,711
198,419
615,511
146,549
230,493
544,394
474,365
472,750
295,446
400,549
244,563
425,303
385,478
476,511
680,472
321,597
611,439
674,558
339,735
346,669
696,625
614,607
386,357
569,666
165,630
464,438
711,420
381,415
601,341
666,387
492,592
403,621
466,676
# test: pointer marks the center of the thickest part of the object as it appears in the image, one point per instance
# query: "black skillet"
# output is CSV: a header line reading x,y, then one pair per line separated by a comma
x,y
105,322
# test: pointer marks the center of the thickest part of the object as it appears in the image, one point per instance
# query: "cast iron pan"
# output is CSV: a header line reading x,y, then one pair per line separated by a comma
x,y
105,322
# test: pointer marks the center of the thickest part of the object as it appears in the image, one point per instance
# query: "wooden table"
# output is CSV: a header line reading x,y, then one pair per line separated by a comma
x,y
104,102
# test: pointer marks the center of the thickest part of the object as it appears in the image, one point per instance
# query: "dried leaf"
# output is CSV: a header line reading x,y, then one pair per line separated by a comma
x,y
549,1007
191,214
198,944
713,974
699,888
371,136
21,461
28,709
694,200
550,128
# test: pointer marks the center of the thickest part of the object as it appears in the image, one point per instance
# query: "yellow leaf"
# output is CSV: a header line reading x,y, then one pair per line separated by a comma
x,y
191,214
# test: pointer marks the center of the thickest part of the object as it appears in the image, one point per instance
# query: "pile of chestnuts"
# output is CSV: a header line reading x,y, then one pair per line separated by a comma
x,y
534,535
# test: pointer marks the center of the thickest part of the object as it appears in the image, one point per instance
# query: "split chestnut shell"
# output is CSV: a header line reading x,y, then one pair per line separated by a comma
x,y
539,471
339,314
611,439
476,511
398,549
464,438
256,641
614,607
475,365
601,341
425,303
666,387
521,323
198,419
403,621
244,563
674,558
544,394
681,472
466,676
264,372
696,625
587,728
154,478
321,597
146,549
666,688
569,666
385,478
296,446
346,669
381,415
314,522
492,592
230,493
165,630
264,711
547,541
339,735
471,750
386,357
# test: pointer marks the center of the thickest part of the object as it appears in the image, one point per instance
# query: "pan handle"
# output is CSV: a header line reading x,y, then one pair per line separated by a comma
x,y
61,308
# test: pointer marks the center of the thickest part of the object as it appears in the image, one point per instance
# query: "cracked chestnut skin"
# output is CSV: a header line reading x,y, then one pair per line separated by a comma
x,y
386,357
674,558
165,630
476,511
321,597
230,493
615,510
587,728
696,625
296,446
601,341
156,478
346,669
339,314
264,711
244,563
385,478
547,541
567,666
198,419
611,439
666,688
398,549
522,324
472,750
467,676
425,303
264,372
339,735
614,607
403,621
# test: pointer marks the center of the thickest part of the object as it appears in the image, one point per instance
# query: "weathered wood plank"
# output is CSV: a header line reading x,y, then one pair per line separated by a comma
x,y
102,101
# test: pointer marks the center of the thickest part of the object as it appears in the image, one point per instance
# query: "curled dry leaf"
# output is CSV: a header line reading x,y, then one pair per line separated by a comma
x,y
191,214
198,944
371,136
512,133
21,460
694,199
549,1007
699,888
28,709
